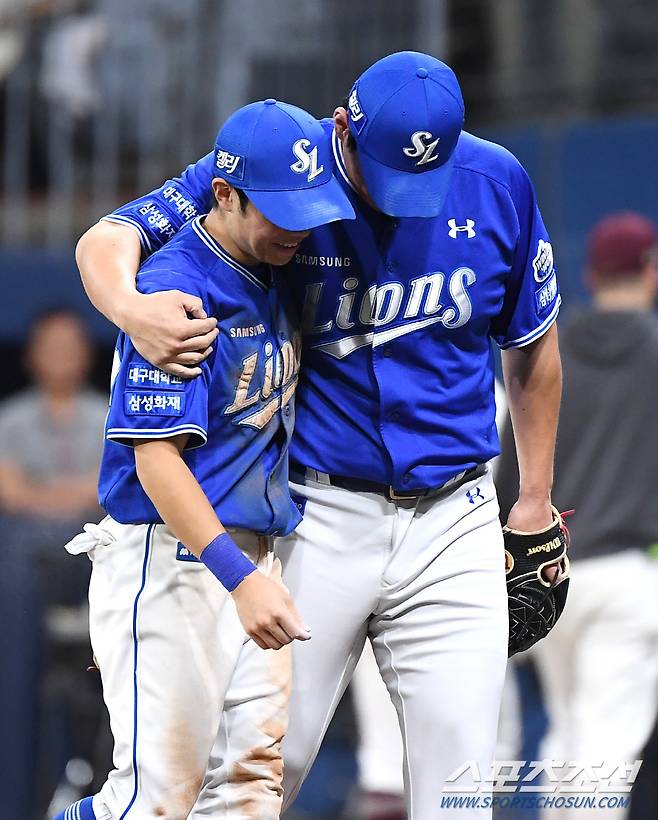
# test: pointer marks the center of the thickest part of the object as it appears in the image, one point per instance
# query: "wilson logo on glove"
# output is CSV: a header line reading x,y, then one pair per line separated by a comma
x,y
555,543
534,602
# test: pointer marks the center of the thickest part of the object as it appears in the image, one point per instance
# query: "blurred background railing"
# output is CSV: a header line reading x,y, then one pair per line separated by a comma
x,y
102,99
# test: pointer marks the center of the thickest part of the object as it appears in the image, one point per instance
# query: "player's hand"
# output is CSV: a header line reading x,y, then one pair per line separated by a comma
x,y
532,515
267,612
162,331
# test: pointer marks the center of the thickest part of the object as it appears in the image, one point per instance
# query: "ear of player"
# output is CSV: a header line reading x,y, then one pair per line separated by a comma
x,y
280,157
535,603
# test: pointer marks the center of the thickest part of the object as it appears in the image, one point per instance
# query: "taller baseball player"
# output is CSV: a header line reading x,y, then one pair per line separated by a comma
x,y
194,478
400,541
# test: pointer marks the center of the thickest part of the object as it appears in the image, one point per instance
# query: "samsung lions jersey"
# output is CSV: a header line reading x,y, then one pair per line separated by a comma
x,y
239,413
397,379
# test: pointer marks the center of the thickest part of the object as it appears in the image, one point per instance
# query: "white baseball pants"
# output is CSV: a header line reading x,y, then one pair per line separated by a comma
x,y
184,687
380,743
425,582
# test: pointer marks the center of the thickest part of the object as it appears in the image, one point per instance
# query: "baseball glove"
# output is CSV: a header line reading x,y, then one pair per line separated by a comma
x,y
534,603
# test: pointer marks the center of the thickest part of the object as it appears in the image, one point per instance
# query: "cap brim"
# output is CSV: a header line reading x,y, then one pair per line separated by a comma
x,y
404,194
304,208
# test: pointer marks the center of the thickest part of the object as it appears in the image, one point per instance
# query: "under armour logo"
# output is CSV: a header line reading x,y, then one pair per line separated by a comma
x,y
455,228
421,147
472,495
306,160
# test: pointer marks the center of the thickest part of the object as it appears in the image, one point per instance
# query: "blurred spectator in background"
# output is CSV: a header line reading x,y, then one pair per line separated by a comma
x,y
599,666
68,79
51,436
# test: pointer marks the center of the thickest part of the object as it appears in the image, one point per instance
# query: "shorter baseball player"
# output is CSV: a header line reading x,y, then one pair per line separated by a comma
x,y
194,478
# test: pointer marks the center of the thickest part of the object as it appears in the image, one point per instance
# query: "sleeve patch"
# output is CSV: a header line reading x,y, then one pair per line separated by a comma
x,y
182,203
152,377
157,220
543,265
545,296
154,404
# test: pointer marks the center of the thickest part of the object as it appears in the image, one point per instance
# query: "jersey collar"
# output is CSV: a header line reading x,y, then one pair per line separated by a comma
x,y
259,275
340,160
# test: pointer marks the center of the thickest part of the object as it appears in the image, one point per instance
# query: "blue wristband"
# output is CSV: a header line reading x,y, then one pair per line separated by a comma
x,y
226,561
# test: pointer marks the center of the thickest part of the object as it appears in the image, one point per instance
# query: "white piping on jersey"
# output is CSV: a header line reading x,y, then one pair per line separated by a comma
x,y
73,812
348,344
119,219
130,432
217,249
538,331
340,160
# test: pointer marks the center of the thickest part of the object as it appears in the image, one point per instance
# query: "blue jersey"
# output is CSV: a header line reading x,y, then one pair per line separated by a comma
x,y
239,413
399,316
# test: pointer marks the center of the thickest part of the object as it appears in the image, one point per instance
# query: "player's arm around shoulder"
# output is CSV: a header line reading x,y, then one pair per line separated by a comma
x,y
264,606
170,329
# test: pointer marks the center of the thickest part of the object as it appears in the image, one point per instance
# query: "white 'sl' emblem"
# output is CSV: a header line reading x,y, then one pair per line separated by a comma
x,y
422,147
306,161
455,228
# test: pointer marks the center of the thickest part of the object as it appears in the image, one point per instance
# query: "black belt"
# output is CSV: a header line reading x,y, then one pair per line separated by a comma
x,y
299,473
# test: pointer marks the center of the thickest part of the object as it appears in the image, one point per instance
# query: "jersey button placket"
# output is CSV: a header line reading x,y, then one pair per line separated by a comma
x,y
383,368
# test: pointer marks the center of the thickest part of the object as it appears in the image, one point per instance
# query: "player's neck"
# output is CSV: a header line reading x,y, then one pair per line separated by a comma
x,y
351,162
214,225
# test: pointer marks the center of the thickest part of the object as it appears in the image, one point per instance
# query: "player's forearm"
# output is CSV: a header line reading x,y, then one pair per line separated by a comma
x,y
533,382
176,494
108,257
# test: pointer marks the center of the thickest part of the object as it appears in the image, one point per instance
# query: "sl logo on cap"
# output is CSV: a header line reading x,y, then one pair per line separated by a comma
x,y
306,161
421,147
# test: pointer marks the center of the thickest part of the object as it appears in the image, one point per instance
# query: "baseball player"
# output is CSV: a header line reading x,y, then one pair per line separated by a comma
x,y
400,541
194,478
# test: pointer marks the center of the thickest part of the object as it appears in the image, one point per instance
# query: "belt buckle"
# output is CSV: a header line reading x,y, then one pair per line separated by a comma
x,y
392,495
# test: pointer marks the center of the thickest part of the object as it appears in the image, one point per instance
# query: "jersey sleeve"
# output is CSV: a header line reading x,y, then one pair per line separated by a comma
x,y
532,297
146,402
161,214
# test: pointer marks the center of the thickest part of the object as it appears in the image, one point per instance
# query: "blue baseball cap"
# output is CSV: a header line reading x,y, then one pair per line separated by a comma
x,y
406,113
280,156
